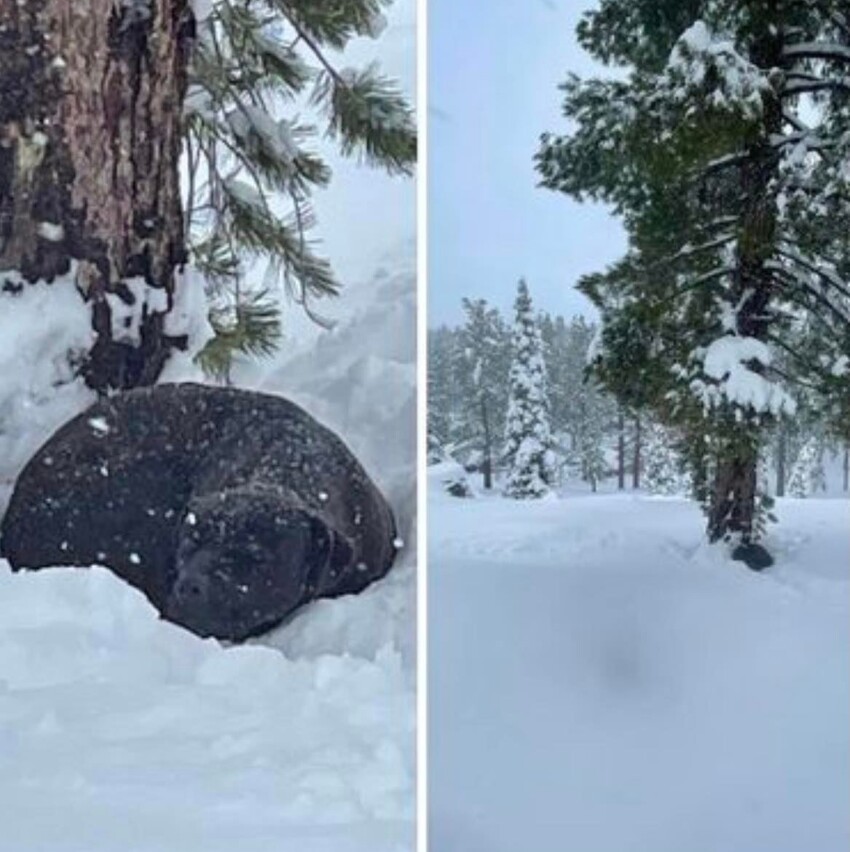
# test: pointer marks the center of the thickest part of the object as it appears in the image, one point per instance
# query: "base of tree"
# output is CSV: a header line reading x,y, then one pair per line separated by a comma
x,y
754,556
459,488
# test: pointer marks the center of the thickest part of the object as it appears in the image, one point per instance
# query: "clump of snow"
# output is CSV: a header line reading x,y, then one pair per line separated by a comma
x,y
729,362
701,56
199,101
127,316
259,129
99,425
189,317
45,331
51,231
43,327
376,26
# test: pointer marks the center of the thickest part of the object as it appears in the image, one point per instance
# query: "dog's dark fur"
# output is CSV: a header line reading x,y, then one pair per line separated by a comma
x,y
227,508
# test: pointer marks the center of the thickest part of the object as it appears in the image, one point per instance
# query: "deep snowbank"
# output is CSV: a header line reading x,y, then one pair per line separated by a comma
x,y
601,680
120,731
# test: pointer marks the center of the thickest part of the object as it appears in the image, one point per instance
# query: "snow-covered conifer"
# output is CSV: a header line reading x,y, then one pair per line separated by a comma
x,y
807,476
663,469
486,349
527,435
734,192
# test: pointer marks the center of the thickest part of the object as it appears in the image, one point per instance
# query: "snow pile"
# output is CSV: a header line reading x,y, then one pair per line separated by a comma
x,y
121,731
40,324
359,379
45,331
701,59
727,362
602,680
127,316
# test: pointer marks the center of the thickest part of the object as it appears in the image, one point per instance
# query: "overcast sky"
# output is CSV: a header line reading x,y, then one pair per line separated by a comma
x,y
365,215
494,68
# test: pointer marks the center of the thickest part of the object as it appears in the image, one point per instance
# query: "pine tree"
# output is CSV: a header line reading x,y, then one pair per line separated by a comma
x,y
663,471
527,436
257,64
807,471
594,465
439,392
734,194
485,345
449,391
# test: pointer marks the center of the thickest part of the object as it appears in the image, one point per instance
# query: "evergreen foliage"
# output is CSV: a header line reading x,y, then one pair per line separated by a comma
x,y
527,435
485,342
665,472
258,65
724,151
807,476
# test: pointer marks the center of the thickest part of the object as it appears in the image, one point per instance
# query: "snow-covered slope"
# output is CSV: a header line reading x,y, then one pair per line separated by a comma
x,y
600,680
119,731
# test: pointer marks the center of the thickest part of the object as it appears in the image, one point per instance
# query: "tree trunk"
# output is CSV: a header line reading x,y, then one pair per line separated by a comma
x,y
732,509
621,450
781,461
487,465
733,499
847,468
91,99
636,455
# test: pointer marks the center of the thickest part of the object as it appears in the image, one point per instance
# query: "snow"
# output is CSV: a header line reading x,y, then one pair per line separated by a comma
x,y
202,9
702,58
726,361
122,731
51,232
127,317
254,124
39,325
189,317
600,679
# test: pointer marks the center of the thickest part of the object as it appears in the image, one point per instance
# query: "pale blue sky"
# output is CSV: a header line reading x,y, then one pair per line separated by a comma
x,y
494,68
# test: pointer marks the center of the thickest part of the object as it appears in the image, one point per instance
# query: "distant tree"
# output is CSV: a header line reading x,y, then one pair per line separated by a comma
x,y
485,342
444,393
663,464
807,474
527,434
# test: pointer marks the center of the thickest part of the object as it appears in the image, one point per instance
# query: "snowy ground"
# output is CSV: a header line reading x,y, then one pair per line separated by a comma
x,y
601,681
119,731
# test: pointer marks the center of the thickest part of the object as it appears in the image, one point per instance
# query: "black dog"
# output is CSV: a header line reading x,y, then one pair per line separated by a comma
x,y
227,508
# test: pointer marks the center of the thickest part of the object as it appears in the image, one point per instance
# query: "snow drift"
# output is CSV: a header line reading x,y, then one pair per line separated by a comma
x,y
121,731
603,680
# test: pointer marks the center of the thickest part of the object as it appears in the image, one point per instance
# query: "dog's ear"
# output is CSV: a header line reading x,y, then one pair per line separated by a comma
x,y
329,558
342,552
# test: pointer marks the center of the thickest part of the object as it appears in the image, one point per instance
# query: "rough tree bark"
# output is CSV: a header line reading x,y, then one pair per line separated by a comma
x,y
487,465
91,98
781,460
621,450
636,455
733,500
